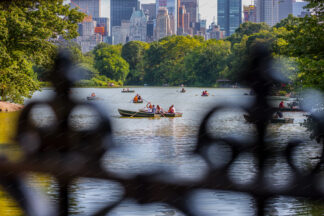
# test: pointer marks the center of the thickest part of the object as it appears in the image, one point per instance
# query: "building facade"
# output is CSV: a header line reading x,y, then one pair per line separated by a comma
x,y
120,34
163,26
149,10
249,13
103,22
138,26
172,7
299,10
90,7
229,14
285,8
121,10
267,11
214,32
192,8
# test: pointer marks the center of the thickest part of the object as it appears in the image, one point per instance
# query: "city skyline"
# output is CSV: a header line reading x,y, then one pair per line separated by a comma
x,y
207,8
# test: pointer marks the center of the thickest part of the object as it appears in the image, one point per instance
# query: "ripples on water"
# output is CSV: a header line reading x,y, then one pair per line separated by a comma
x,y
143,145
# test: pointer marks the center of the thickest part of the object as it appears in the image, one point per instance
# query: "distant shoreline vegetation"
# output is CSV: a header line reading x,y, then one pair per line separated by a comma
x,y
296,43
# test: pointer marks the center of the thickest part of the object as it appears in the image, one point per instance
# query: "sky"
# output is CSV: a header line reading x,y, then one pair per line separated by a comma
x,y
207,8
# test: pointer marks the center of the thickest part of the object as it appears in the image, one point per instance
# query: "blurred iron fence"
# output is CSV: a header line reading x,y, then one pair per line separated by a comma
x,y
67,154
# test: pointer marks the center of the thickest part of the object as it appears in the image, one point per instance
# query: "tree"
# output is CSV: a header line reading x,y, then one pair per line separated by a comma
x,y
133,52
247,29
164,59
108,62
26,30
208,62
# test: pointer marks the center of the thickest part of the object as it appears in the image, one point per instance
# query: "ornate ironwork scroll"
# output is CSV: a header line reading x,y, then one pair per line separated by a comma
x,y
67,154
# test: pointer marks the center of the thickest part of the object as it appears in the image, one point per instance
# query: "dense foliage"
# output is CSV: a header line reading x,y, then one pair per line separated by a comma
x,y
26,28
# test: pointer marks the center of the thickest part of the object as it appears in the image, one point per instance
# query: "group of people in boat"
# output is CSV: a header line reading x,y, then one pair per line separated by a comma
x,y
151,108
126,90
205,93
137,98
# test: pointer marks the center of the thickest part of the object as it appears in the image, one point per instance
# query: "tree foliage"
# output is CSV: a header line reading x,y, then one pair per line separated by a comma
x,y
26,30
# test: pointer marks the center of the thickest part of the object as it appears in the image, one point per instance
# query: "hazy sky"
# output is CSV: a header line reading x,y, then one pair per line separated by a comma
x,y
207,8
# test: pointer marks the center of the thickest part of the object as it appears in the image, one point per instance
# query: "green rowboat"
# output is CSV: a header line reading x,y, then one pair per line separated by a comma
x,y
128,113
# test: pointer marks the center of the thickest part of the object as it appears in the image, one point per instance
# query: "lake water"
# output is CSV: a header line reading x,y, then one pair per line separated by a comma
x,y
145,144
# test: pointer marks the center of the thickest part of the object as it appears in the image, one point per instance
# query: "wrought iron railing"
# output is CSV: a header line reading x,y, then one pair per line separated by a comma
x,y
68,154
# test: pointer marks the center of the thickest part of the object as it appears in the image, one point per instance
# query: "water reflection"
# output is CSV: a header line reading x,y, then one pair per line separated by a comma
x,y
144,145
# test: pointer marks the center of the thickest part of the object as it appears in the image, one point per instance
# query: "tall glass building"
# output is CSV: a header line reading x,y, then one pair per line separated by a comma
x,y
122,10
229,15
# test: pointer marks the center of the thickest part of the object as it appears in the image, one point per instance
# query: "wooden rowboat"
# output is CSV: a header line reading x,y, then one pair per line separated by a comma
x,y
92,98
287,109
130,91
206,95
143,114
138,102
274,121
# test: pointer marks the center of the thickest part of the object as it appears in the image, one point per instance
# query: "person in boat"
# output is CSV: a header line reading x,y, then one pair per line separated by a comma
x,y
183,90
153,109
171,109
278,115
135,98
93,94
149,105
139,98
281,105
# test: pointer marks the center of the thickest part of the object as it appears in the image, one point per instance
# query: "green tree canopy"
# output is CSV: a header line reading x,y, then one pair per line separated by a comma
x,y
26,30
108,62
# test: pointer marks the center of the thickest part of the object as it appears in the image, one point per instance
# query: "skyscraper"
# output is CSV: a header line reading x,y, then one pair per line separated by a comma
x,y
229,15
268,11
192,8
163,27
285,8
172,6
138,26
121,10
90,7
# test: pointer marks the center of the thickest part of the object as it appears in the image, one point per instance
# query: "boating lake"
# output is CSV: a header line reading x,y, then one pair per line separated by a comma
x,y
145,144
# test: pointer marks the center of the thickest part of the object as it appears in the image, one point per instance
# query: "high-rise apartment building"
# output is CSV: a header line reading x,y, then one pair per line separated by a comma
x,y
90,7
172,7
267,11
192,8
121,10
229,14
163,26
285,8
149,10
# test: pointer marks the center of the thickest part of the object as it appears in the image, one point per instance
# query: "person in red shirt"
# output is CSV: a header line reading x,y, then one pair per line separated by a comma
x,y
281,105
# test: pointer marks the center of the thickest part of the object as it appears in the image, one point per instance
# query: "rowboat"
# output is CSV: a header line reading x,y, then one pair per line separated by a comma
x,y
205,95
129,91
138,102
143,114
274,120
92,98
183,91
288,109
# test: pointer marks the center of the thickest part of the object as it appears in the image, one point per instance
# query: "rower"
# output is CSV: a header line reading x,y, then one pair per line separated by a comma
x,y
281,105
136,99
171,109
153,109
93,95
